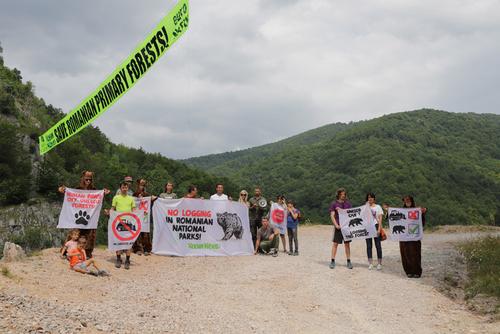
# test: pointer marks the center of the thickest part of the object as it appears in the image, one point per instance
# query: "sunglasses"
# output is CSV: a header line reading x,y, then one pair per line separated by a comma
x,y
89,180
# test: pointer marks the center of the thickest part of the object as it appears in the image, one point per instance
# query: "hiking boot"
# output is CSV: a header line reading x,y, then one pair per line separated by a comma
x,y
332,265
93,273
349,265
379,266
296,253
118,263
370,267
127,265
410,275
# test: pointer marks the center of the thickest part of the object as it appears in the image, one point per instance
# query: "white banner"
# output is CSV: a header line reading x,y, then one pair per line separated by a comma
x,y
277,217
81,208
144,204
405,224
195,227
356,223
123,229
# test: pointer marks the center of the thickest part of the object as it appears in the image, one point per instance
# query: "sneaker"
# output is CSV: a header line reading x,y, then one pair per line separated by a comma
x,y
127,264
118,263
332,265
139,253
274,252
147,253
379,266
410,275
103,273
349,265
290,253
370,267
93,273
296,253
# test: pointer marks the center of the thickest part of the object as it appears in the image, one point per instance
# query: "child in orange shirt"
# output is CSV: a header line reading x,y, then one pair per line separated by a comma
x,y
78,260
71,243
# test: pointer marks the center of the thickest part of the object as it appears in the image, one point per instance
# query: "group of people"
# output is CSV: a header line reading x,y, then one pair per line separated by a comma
x,y
80,243
410,250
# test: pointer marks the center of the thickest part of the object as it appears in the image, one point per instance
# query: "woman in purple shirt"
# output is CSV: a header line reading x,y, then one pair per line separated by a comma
x,y
338,238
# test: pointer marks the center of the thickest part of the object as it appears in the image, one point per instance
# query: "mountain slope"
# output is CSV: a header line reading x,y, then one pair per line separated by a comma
x,y
449,162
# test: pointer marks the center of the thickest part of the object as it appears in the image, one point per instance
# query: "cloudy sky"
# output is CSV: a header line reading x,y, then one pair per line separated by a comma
x,y
251,72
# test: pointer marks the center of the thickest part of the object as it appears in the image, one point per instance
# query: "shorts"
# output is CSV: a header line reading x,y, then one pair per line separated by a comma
x,y
80,266
338,238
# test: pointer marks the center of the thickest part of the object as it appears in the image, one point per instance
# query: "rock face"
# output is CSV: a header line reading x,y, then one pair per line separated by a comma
x,y
31,225
12,252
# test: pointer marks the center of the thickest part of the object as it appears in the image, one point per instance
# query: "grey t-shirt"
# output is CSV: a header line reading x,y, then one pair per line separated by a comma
x,y
168,195
264,233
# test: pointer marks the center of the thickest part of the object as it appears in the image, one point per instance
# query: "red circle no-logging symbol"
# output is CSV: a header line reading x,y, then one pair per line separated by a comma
x,y
278,216
121,222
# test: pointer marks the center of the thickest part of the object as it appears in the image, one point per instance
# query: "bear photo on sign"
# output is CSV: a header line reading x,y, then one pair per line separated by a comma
x,y
231,225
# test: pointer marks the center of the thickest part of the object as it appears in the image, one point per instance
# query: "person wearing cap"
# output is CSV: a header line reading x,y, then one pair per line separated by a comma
x,y
129,180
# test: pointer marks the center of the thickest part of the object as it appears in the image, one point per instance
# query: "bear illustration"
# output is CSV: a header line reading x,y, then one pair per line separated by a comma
x,y
398,229
231,225
355,222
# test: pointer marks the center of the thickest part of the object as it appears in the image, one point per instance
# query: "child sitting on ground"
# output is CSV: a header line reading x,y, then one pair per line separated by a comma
x,y
71,243
78,260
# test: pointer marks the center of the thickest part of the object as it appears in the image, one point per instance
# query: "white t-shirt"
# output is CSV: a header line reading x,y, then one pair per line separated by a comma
x,y
375,211
216,197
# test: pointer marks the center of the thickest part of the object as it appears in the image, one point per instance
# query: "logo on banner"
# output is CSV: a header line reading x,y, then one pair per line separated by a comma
x,y
231,225
278,216
126,226
413,214
82,218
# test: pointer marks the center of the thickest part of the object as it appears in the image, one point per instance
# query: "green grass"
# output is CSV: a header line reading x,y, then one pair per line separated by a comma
x,y
6,272
483,266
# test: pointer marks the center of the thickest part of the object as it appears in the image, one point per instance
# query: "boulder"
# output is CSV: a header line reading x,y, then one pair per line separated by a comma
x,y
12,252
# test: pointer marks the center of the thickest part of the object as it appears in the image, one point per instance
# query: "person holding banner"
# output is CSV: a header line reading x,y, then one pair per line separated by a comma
x,y
341,202
411,251
219,194
86,183
123,203
169,191
143,243
281,201
192,192
244,198
267,239
376,219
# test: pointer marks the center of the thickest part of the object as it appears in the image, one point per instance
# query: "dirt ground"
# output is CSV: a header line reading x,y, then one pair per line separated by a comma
x,y
248,294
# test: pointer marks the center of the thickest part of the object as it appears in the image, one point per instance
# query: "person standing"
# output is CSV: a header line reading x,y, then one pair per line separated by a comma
x,y
128,180
376,219
143,243
244,198
292,226
411,251
257,210
86,183
281,201
192,192
219,195
169,191
123,203
341,202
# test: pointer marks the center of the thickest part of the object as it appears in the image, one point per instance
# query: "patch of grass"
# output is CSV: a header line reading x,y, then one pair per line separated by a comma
x,y
6,272
483,266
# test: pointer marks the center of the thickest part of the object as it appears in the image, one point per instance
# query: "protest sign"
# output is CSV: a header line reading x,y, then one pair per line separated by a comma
x,y
123,229
121,80
195,227
277,217
405,224
144,204
356,223
81,208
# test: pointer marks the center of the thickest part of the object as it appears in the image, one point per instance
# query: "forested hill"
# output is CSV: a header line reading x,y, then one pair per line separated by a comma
x,y
450,162
24,174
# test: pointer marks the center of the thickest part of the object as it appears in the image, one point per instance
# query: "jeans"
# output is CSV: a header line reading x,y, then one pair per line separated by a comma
x,y
378,246
292,238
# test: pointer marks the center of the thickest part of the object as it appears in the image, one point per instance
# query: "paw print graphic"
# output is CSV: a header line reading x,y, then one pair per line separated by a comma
x,y
82,218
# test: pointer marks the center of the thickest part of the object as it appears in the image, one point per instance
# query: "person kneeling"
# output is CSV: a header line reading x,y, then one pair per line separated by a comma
x,y
267,239
79,263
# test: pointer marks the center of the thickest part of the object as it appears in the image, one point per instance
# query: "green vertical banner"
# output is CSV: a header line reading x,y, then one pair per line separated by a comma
x,y
122,79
